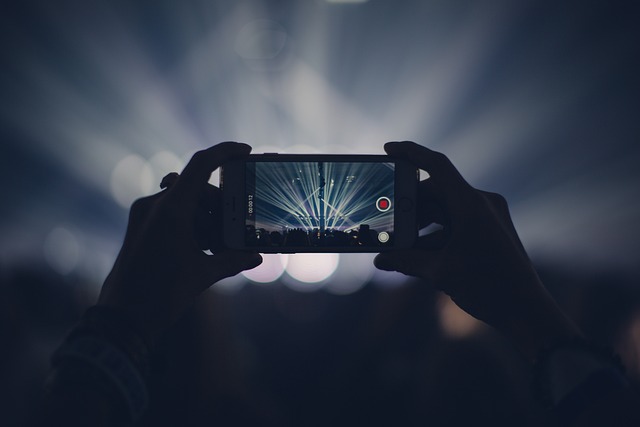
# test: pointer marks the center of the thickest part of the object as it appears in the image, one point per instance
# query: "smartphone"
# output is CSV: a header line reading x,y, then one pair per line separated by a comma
x,y
292,203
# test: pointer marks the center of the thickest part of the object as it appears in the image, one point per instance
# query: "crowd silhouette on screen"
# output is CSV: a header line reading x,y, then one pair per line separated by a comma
x,y
300,237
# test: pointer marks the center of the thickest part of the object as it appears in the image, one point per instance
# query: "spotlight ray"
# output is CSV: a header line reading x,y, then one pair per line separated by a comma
x,y
289,195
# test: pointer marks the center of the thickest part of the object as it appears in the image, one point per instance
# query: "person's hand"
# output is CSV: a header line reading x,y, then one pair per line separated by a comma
x,y
477,258
161,268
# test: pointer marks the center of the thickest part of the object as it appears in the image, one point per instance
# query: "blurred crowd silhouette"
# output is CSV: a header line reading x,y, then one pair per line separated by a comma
x,y
267,355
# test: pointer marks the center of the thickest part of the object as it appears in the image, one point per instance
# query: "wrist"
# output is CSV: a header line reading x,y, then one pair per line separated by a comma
x,y
148,315
119,328
536,323
105,352
573,376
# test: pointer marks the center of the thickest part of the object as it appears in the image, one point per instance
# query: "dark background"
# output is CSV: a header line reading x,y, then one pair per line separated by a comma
x,y
537,100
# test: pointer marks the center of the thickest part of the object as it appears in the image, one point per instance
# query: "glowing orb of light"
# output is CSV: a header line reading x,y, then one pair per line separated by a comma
x,y
353,272
62,250
261,39
272,267
454,322
131,179
310,270
163,163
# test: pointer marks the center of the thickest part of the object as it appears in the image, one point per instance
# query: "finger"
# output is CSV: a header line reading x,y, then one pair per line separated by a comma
x,y
140,209
208,219
229,263
138,217
210,198
445,184
197,172
433,241
205,229
500,206
169,180
216,239
430,205
497,202
415,263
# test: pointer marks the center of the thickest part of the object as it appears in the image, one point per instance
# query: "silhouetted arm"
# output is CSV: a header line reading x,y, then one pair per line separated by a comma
x,y
479,261
99,372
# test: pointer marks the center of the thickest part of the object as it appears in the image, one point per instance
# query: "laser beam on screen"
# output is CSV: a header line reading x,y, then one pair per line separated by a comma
x,y
291,195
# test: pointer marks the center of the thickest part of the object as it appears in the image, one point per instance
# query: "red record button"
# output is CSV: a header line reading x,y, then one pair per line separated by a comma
x,y
383,204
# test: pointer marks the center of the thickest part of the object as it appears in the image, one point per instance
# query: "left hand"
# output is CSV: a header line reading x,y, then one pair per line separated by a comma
x,y
478,259
161,269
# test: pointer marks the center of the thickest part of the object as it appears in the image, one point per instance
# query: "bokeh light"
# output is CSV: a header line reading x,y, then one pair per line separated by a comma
x,y
162,163
310,270
454,322
62,250
272,267
261,39
352,273
131,179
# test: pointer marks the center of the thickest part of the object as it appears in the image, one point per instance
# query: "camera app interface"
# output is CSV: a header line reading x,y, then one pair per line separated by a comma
x,y
333,204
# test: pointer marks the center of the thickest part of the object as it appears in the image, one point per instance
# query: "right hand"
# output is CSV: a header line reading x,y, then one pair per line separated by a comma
x,y
478,259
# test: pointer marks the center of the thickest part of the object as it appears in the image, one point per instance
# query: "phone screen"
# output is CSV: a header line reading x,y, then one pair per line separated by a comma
x,y
319,204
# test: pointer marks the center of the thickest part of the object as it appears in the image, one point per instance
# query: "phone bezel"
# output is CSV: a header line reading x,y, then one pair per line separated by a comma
x,y
232,183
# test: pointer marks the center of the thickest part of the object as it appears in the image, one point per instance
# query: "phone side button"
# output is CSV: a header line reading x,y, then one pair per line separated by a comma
x,y
405,204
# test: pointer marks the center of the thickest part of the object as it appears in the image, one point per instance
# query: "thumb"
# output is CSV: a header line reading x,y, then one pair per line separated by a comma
x,y
229,263
412,262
